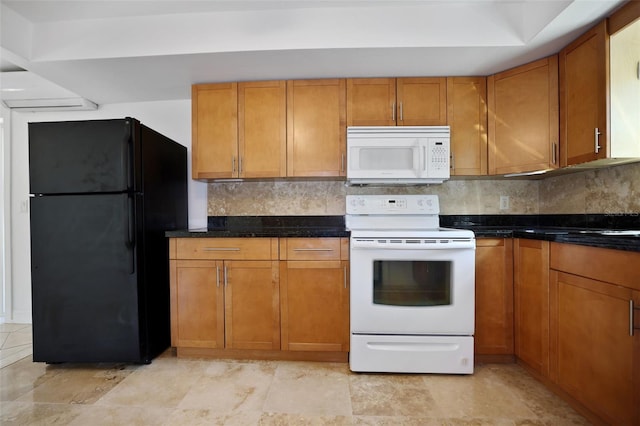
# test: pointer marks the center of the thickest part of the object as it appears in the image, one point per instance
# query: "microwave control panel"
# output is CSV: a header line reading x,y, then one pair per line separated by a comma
x,y
438,158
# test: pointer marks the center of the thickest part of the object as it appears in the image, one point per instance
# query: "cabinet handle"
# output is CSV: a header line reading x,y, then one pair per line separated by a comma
x,y
217,276
596,135
401,113
554,156
631,318
312,249
393,111
342,162
345,276
233,164
632,312
225,276
221,249
453,162
240,165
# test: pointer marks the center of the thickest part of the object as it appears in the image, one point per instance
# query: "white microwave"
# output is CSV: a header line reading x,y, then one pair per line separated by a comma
x,y
398,155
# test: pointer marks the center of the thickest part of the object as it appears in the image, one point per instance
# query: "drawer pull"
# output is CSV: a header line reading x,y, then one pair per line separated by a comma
x,y
221,249
312,249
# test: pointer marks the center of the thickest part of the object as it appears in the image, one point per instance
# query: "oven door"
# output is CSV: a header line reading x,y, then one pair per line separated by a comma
x,y
412,289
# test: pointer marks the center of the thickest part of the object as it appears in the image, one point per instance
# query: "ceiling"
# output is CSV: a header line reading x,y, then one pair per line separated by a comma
x,y
116,51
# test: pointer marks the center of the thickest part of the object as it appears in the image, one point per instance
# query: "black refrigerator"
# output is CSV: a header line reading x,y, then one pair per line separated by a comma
x,y
103,193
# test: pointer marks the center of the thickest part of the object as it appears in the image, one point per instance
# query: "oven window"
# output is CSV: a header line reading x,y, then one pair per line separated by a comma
x,y
412,283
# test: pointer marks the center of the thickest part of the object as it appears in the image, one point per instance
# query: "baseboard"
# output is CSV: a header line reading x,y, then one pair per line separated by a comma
x,y
20,317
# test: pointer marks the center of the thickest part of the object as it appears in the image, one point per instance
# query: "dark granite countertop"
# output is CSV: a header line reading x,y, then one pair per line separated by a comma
x,y
268,226
596,230
591,230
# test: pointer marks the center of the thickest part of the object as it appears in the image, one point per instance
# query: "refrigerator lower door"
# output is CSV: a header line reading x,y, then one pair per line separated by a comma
x,y
85,292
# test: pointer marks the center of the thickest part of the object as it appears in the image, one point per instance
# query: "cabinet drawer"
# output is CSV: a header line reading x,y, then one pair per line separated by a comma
x,y
608,265
227,248
310,249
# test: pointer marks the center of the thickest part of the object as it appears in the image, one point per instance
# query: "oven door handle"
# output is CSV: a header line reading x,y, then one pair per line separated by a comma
x,y
374,244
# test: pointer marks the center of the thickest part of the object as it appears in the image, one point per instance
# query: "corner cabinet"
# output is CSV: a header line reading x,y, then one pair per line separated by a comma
x,y
494,299
467,117
523,118
595,330
584,95
225,293
314,286
417,101
316,128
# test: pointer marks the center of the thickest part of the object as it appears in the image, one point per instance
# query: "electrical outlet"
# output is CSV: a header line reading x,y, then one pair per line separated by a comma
x,y
504,202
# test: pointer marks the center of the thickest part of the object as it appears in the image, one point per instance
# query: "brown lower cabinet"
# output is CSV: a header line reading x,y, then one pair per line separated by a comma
x,y
531,297
494,299
314,295
575,318
225,293
595,330
235,298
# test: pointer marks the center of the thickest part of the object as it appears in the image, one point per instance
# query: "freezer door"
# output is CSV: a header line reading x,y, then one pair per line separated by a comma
x,y
82,156
85,292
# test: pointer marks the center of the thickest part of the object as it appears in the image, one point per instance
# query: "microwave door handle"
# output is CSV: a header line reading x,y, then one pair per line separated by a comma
x,y
418,164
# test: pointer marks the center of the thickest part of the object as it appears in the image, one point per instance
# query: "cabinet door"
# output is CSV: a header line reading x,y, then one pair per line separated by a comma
x,y
197,304
371,102
523,118
262,129
584,77
421,101
531,282
214,130
316,129
252,309
315,305
467,117
595,357
494,296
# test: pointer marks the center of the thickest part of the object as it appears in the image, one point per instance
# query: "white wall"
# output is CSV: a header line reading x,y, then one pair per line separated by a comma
x,y
5,221
625,92
171,118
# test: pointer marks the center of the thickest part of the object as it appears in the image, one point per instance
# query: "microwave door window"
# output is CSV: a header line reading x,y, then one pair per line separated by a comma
x,y
386,158
412,283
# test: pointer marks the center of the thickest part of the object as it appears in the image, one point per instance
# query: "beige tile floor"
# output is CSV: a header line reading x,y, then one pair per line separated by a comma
x,y
173,391
15,343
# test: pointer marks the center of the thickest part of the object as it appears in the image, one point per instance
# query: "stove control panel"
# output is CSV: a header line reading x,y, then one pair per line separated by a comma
x,y
393,204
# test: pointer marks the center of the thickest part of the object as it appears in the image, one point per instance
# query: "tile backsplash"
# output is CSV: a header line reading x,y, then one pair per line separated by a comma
x,y
609,190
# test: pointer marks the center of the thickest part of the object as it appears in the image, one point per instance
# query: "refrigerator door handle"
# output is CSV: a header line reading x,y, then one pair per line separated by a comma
x,y
127,160
131,231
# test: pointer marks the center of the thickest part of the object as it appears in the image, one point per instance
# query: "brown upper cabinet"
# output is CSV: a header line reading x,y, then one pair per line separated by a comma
x,y
214,130
262,129
419,101
316,130
584,81
467,117
268,129
239,130
523,118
